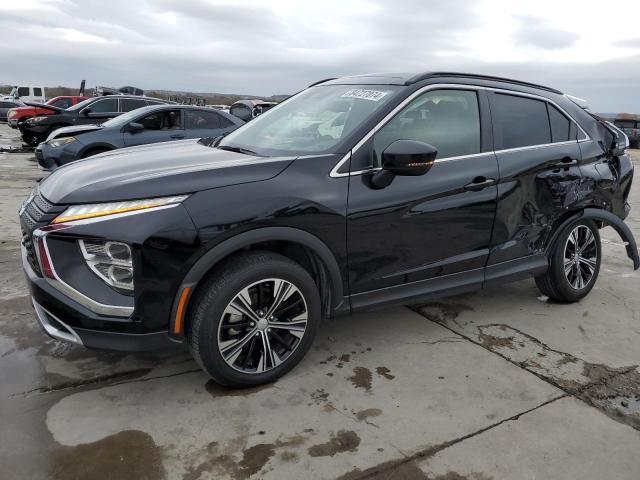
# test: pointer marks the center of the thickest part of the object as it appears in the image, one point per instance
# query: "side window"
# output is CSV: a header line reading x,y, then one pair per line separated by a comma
x,y
62,103
561,126
105,105
521,121
197,119
23,91
128,104
165,120
447,119
37,91
154,102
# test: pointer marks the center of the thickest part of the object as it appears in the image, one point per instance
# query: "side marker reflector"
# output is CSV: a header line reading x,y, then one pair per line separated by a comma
x,y
177,325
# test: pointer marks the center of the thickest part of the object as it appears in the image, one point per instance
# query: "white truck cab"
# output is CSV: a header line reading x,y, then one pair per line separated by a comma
x,y
26,94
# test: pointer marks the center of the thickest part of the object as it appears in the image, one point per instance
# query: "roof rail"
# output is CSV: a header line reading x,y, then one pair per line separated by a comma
x,y
321,81
424,76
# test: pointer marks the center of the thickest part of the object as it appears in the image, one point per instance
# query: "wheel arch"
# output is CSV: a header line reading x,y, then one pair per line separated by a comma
x,y
290,242
606,218
104,147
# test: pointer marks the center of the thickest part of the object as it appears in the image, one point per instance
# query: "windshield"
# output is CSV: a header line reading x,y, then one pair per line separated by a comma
x,y
82,104
312,122
13,92
125,118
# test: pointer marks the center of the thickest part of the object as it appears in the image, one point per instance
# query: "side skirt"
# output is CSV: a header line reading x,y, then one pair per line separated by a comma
x,y
446,285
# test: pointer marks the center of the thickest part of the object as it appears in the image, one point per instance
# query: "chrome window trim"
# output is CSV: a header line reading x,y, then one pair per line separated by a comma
x,y
454,86
76,295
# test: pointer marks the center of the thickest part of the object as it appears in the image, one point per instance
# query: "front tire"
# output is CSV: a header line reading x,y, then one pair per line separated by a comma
x,y
574,265
254,319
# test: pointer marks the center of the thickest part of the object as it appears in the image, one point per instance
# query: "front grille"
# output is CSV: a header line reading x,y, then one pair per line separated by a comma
x,y
37,213
31,253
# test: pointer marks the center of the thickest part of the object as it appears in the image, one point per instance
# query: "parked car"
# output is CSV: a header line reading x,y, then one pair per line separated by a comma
x,y
631,127
92,110
7,106
248,109
26,94
357,192
25,112
153,124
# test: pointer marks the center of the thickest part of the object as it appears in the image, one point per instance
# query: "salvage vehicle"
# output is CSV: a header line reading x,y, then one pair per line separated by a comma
x,y
18,115
631,127
248,109
92,110
26,94
355,193
153,124
7,106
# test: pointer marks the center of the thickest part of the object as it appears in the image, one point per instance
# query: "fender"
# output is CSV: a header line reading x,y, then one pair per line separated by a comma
x,y
618,225
225,248
91,146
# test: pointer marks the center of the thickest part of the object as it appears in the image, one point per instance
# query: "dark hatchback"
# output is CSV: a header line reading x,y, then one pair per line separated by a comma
x,y
92,110
357,192
153,124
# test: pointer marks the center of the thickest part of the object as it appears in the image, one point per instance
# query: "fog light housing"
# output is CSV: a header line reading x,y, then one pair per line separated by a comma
x,y
111,261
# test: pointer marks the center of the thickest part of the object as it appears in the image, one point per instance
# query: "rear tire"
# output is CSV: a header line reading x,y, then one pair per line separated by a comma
x,y
574,265
253,319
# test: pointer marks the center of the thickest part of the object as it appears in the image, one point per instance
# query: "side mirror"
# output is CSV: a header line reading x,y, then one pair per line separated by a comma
x,y
135,127
404,158
86,112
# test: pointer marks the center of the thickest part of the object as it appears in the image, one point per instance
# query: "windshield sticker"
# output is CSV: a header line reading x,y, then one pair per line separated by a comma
x,y
373,95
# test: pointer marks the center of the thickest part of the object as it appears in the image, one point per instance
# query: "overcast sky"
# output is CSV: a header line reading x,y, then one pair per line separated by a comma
x,y
588,49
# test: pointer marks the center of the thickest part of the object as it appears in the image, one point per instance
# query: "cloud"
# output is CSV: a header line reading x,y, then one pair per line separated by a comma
x,y
281,46
537,32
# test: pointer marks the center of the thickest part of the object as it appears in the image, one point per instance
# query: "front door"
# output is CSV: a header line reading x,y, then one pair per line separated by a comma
x,y
162,126
427,233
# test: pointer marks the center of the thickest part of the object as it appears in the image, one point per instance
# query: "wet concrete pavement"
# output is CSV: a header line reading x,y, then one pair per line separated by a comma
x,y
499,384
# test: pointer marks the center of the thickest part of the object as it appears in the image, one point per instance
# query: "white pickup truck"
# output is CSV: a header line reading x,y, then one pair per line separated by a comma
x,y
26,94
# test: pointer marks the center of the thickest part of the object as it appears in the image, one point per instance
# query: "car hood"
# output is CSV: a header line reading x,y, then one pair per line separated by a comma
x,y
73,130
162,169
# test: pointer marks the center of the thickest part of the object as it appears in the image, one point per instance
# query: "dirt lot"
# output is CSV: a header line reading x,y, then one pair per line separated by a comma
x,y
500,384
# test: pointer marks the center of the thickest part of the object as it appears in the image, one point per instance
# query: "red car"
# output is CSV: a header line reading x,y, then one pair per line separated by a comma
x,y
20,114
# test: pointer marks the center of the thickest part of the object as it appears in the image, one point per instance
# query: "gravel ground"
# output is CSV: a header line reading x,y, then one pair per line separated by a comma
x,y
500,384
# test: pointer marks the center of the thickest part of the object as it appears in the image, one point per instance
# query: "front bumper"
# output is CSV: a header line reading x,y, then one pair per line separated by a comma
x,y
13,123
64,319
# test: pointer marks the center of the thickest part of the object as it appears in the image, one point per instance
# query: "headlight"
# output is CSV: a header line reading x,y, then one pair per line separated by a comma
x,y
80,212
36,119
58,142
11,114
111,261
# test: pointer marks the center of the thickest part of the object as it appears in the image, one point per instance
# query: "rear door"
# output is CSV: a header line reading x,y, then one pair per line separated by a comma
x,y
432,232
538,155
160,126
129,104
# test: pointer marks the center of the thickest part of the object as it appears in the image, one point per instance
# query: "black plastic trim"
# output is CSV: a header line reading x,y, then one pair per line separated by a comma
x,y
446,285
227,247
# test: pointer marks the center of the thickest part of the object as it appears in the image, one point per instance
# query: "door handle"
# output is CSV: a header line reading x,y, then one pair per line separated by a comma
x,y
177,136
479,183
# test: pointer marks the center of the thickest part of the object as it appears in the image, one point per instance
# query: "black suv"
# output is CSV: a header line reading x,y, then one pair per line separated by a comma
x,y
90,111
357,192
